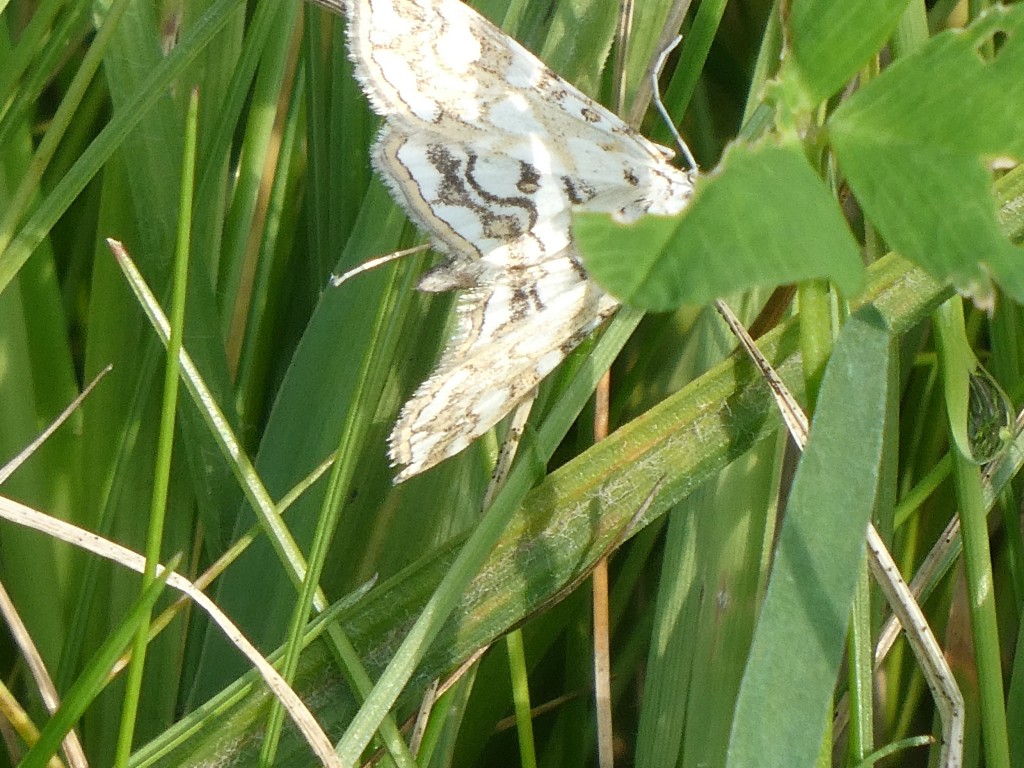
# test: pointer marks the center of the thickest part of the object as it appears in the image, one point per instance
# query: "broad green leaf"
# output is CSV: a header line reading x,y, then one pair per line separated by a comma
x,y
831,41
761,219
784,700
914,142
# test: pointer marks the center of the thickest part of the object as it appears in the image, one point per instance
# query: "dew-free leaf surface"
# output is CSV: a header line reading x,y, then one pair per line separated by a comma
x,y
914,145
798,642
762,218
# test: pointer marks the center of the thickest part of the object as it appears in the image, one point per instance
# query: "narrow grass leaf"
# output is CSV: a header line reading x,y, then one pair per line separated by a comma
x,y
761,219
1015,700
697,44
563,524
56,203
94,677
783,704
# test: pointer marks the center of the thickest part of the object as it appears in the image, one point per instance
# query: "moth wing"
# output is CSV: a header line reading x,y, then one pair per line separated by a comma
x,y
478,202
510,335
506,199
441,64
490,151
441,67
502,215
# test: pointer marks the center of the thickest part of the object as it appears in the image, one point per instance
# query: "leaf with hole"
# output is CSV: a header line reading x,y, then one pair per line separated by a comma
x,y
916,145
762,218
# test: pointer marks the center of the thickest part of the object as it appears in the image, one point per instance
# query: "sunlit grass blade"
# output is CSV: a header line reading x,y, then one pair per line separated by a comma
x,y
783,703
94,676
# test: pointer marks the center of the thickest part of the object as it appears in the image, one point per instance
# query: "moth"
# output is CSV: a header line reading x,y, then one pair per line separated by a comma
x,y
488,150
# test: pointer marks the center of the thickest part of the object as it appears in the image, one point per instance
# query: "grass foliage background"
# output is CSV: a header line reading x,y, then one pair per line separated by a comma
x,y
92,120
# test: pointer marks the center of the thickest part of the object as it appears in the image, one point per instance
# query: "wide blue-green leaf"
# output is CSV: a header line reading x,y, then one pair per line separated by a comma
x,y
784,701
915,142
763,218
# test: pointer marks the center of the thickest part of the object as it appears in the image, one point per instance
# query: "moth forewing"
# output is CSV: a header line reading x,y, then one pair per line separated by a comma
x,y
489,151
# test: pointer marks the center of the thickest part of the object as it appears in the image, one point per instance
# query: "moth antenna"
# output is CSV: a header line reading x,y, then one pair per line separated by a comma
x,y
655,75
380,261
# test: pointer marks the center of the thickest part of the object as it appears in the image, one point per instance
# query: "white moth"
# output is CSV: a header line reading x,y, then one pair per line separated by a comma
x,y
488,150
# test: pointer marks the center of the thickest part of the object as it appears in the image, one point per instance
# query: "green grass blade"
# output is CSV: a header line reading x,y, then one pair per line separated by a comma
x,y
798,644
565,523
49,210
95,675
162,468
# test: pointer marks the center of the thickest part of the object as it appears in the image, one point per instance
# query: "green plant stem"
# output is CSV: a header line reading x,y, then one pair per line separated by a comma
x,y
924,488
815,334
521,698
893,748
981,601
912,30
162,474
95,675
816,346
861,671
956,365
